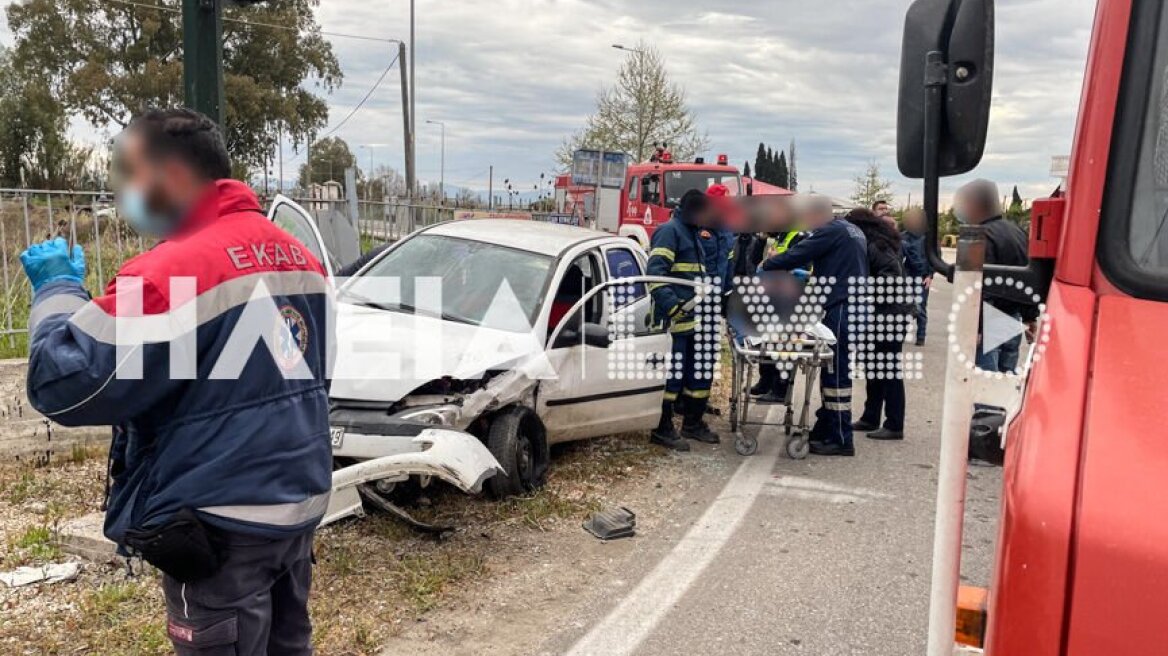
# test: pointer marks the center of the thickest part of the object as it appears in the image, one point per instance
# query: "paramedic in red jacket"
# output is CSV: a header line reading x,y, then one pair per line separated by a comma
x,y
207,354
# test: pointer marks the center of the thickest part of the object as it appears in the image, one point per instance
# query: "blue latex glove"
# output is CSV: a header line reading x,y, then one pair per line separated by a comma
x,y
50,261
801,274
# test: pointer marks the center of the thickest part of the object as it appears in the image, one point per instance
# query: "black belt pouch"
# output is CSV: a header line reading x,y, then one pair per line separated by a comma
x,y
182,548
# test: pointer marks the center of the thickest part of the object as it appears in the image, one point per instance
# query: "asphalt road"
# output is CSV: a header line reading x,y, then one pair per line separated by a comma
x,y
821,556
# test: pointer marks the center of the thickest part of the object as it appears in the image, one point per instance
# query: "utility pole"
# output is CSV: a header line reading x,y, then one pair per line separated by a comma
x,y
491,188
203,57
407,121
413,96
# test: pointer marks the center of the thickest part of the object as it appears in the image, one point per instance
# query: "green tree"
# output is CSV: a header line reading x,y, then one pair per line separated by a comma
x,y
782,175
792,169
327,162
761,164
107,60
644,107
34,148
746,169
1016,200
870,186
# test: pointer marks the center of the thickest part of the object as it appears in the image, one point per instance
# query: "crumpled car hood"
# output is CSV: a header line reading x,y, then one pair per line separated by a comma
x,y
383,355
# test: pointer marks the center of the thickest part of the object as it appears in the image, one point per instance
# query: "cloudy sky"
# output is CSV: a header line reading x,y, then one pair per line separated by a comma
x,y
511,78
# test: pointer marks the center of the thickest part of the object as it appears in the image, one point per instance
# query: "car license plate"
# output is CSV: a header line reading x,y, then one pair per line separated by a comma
x,y
337,436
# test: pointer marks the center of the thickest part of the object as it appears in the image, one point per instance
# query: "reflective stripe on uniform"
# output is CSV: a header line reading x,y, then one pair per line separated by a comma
x,y
687,267
837,392
837,407
278,514
657,285
683,326
671,396
663,252
696,394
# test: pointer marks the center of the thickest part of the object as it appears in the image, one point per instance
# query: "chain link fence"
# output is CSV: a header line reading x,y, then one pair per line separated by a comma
x,y
89,218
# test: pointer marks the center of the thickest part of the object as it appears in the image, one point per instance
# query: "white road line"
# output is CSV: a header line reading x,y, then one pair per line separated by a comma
x,y
634,618
797,487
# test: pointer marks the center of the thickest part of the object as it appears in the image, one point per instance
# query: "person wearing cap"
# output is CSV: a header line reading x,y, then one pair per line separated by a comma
x,y
676,252
718,240
839,253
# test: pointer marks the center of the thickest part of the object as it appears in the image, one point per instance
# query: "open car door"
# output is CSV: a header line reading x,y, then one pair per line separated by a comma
x,y
296,221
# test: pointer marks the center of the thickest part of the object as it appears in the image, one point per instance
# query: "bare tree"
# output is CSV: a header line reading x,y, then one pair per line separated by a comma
x,y
641,109
870,186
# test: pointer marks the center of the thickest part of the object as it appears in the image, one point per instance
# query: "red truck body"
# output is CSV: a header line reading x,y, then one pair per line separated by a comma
x,y
652,189
1082,561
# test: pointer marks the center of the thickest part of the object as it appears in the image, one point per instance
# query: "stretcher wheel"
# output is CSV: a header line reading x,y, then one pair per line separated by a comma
x,y
798,446
745,445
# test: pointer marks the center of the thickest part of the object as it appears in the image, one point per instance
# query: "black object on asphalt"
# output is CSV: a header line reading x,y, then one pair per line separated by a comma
x,y
612,524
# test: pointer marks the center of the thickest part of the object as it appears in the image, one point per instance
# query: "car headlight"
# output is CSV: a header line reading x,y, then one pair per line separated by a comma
x,y
438,415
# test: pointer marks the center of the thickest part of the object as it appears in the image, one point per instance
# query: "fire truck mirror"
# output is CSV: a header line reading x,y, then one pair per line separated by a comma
x,y
962,33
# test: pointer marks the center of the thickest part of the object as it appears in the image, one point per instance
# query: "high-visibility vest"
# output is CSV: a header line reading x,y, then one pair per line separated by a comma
x,y
778,245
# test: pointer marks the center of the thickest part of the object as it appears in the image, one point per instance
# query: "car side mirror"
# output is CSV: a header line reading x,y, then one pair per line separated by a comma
x,y
594,334
948,44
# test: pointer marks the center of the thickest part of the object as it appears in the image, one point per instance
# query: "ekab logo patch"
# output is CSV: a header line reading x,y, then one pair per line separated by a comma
x,y
291,338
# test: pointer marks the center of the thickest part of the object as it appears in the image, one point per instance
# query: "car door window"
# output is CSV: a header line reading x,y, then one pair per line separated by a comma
x,y
579,278
292,221
622,263
634,187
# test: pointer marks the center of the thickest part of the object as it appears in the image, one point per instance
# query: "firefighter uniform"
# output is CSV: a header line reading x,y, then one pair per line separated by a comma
x,y
839,253
772,384
676,252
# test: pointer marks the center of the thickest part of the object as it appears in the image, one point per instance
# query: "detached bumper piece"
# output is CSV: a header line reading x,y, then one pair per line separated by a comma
x,y
453,456
612,524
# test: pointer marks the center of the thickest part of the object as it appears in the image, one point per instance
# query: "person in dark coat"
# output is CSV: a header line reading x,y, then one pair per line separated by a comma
x,y
836,251
1006,243
883,340
916,265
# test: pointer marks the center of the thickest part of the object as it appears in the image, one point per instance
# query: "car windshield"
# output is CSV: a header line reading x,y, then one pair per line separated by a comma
x,y
472,275
679,182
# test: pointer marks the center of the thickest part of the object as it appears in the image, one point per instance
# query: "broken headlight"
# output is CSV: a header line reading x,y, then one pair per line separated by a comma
x,y
438,415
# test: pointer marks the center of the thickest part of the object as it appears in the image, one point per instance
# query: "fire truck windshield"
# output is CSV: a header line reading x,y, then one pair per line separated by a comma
x,y
679,182
1135,218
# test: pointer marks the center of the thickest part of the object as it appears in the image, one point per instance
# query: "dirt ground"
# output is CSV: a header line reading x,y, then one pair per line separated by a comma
x,y
377,585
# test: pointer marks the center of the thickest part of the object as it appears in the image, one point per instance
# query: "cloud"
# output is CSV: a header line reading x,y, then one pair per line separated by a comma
x,y
512,78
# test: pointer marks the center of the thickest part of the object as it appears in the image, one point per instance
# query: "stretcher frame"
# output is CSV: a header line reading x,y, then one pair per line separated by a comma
x,y
809,355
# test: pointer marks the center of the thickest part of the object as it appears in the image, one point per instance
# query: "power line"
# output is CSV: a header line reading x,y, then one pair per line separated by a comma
x,y
367,95
241,21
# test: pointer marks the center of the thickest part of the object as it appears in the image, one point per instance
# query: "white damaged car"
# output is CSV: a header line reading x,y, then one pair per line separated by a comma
x,y
465,350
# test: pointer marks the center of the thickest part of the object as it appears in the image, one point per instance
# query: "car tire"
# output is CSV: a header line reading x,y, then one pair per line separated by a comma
x,y
517,440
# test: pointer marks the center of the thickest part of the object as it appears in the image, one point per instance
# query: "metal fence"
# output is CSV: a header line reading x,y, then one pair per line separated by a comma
x,y
90,219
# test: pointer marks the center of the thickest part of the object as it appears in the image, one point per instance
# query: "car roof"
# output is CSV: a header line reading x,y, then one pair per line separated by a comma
x,y
534,236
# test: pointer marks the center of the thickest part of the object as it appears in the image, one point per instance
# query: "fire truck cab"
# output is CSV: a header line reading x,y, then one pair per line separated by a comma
x,y
1081,563
652,189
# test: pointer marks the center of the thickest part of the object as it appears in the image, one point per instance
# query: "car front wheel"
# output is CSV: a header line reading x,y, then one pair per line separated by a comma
x,y
517,440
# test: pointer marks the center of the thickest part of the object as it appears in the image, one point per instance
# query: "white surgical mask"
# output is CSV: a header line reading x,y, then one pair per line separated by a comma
x,y
133,207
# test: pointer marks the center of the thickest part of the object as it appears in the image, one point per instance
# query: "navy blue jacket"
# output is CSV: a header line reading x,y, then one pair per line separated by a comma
x,y
718,252
838,251
916,264
219,405
675,252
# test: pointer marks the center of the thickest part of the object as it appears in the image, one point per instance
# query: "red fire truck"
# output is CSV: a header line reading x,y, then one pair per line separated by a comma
x,y
1082,556
653,189
633,200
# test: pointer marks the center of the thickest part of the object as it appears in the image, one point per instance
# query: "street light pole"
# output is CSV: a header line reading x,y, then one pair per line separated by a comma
x,y
442,178
369,175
